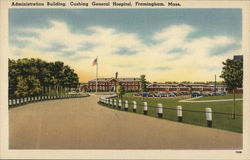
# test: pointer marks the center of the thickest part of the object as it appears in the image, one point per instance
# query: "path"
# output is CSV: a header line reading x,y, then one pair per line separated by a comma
x,y
83,124
191,100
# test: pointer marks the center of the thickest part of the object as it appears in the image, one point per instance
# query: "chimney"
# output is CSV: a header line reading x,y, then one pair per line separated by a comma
x,y
116,75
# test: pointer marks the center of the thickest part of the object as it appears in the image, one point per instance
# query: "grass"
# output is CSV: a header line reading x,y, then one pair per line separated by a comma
x,y
193,113
229,96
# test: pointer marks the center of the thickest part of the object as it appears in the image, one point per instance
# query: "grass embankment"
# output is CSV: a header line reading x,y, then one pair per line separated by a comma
x,y
193,113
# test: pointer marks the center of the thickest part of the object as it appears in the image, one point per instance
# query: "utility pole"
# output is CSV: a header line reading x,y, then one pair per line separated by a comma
x,y
215,84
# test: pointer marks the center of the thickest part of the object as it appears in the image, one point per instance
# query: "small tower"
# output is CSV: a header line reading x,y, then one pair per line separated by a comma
x,y
116,75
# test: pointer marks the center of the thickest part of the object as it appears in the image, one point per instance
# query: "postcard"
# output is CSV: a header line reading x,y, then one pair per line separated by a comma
x,y
124,79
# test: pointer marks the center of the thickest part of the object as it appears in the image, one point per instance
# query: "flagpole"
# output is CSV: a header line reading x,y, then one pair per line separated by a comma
x,y
96,75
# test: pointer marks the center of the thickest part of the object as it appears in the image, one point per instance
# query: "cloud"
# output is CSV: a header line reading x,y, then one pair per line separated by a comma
x,y
177,50
174,32
125,51
162,68
170,54
224,49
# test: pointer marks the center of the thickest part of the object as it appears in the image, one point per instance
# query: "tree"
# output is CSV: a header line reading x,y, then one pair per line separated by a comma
x,y
190,90
44,77
232,73
27,86
120,91
143,83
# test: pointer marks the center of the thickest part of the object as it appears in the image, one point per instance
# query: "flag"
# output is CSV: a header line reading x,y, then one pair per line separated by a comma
x,y
94,62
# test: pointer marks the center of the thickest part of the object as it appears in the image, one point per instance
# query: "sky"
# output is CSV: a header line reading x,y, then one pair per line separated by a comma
x,y
164,44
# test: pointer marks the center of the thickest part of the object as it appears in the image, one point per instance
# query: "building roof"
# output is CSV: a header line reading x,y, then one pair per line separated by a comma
x,y
162,85
238,57
119,79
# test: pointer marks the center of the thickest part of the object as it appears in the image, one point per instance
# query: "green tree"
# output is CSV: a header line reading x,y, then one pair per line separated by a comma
x,y
27,86
232,73
190,90
13,73
120,91
143,83
53,77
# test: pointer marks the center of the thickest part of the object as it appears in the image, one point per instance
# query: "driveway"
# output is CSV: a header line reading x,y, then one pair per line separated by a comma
x,y
81,123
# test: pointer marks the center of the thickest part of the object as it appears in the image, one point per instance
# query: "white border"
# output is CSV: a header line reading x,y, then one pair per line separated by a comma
x,y
124,154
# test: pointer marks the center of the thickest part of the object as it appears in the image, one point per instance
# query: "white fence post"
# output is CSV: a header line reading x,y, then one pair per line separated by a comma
x,y
209,117
145,108
179,113
21,100
14,102
25,100
10,102
120,104
111,102
114,103
17,102
134,106
160,110
126,106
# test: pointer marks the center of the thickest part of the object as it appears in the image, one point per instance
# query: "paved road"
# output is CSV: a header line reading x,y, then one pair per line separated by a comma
x,y
83,124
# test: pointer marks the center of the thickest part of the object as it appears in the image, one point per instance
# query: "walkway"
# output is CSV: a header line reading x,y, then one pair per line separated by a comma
x,y
191,100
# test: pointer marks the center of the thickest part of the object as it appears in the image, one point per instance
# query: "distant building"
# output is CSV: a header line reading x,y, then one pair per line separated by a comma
x,y
166,87
109,84
238,57
83,87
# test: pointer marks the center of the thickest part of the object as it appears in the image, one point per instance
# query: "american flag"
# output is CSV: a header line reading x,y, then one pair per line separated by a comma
x,y
94,62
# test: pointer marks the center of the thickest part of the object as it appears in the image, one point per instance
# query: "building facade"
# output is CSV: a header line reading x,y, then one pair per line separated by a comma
x,y
134,85
166,87
109,84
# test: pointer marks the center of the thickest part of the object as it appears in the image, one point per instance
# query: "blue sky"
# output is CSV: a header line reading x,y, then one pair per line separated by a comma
x,y
119,37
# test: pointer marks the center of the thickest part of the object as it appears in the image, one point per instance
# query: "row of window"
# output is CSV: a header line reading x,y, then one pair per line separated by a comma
x,y
125,83
110,88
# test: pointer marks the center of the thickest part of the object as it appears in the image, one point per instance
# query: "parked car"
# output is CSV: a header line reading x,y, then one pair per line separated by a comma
x,y
185,92
161,94
220,93
176,94
146,94
171,95
179,93
205,93
211,94
195,94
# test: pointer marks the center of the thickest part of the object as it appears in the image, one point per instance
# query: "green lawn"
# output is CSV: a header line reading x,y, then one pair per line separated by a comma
x,y
229,96
193,113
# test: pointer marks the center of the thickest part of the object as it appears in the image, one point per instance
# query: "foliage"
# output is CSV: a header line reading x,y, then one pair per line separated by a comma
x,y
28,77
27,86
120,91
143,83
232,73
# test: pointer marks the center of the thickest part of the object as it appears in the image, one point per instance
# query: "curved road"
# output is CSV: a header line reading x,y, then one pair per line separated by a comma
x,y
83,124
